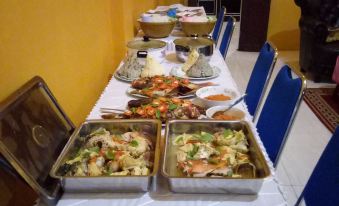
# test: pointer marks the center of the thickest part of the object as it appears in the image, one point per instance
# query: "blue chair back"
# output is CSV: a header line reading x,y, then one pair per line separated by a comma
x,y
260,77
279,111
323,186
227,36
218,24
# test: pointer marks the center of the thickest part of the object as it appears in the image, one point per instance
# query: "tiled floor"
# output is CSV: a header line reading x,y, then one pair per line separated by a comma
x,y
308,136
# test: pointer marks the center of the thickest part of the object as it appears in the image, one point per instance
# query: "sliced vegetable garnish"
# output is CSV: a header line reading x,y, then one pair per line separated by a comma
x,y
172,107
167,81
157,114
133,109
194,151
134,143
110,155
94,149
227,133
109,171
179,139
85,154
206,137
99,131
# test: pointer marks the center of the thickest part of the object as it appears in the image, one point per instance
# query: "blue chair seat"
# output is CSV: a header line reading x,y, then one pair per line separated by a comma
x,y
227,36
218,25
279,111
260,77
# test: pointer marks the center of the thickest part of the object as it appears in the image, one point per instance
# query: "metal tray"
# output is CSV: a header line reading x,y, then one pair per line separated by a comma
x,y
108,183
183,184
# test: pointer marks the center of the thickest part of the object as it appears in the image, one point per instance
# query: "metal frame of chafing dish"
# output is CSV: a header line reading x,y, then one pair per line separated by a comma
x,y
140,183
183,184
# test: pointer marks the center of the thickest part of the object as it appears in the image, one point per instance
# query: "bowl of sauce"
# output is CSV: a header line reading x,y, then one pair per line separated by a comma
x,y
218,113
216,96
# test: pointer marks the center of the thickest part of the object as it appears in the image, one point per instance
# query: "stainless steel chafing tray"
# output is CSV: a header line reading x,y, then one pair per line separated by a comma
x,y
138,183
182,184
34,131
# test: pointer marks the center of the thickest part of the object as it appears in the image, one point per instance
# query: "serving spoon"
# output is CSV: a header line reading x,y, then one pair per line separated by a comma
x,y
235,103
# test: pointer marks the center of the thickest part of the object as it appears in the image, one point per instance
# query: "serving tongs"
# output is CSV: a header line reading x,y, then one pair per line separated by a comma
x,y
131,103
112,113
111,110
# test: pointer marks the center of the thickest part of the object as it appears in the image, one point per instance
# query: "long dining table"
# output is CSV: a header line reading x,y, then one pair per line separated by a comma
x,y
115,96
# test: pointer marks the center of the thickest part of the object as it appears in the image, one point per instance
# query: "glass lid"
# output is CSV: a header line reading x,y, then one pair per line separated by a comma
x,y
194,42
146,44
33,132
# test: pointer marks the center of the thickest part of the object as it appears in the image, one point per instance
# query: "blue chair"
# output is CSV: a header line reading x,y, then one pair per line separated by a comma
x,y
227,36
218,24
260,77
279,110
323,186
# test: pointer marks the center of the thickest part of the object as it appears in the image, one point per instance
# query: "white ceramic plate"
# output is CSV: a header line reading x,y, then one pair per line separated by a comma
x,y
130,90
122,78
176,71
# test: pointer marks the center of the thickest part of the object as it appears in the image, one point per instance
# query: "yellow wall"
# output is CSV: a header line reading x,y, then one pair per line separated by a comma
x,y
283,28
73,44
170,2
142,6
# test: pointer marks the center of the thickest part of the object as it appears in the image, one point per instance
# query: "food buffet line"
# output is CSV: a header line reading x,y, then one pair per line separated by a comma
x,y
186,150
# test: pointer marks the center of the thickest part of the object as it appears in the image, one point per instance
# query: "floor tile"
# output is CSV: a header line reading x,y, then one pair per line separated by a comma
x,y
282,175
307,140
289,194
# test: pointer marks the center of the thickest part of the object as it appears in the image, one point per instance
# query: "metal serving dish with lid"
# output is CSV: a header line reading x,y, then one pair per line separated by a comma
x,y
34,131
135,60
184,45
143,47
146,44
182,184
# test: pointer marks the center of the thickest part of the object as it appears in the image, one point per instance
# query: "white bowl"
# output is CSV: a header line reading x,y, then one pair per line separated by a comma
x,y
237,113
204,92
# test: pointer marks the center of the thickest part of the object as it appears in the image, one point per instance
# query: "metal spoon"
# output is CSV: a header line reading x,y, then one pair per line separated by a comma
x,y
235,103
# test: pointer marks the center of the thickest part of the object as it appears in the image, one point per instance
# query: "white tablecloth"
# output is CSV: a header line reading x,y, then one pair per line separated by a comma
x,y
115,96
